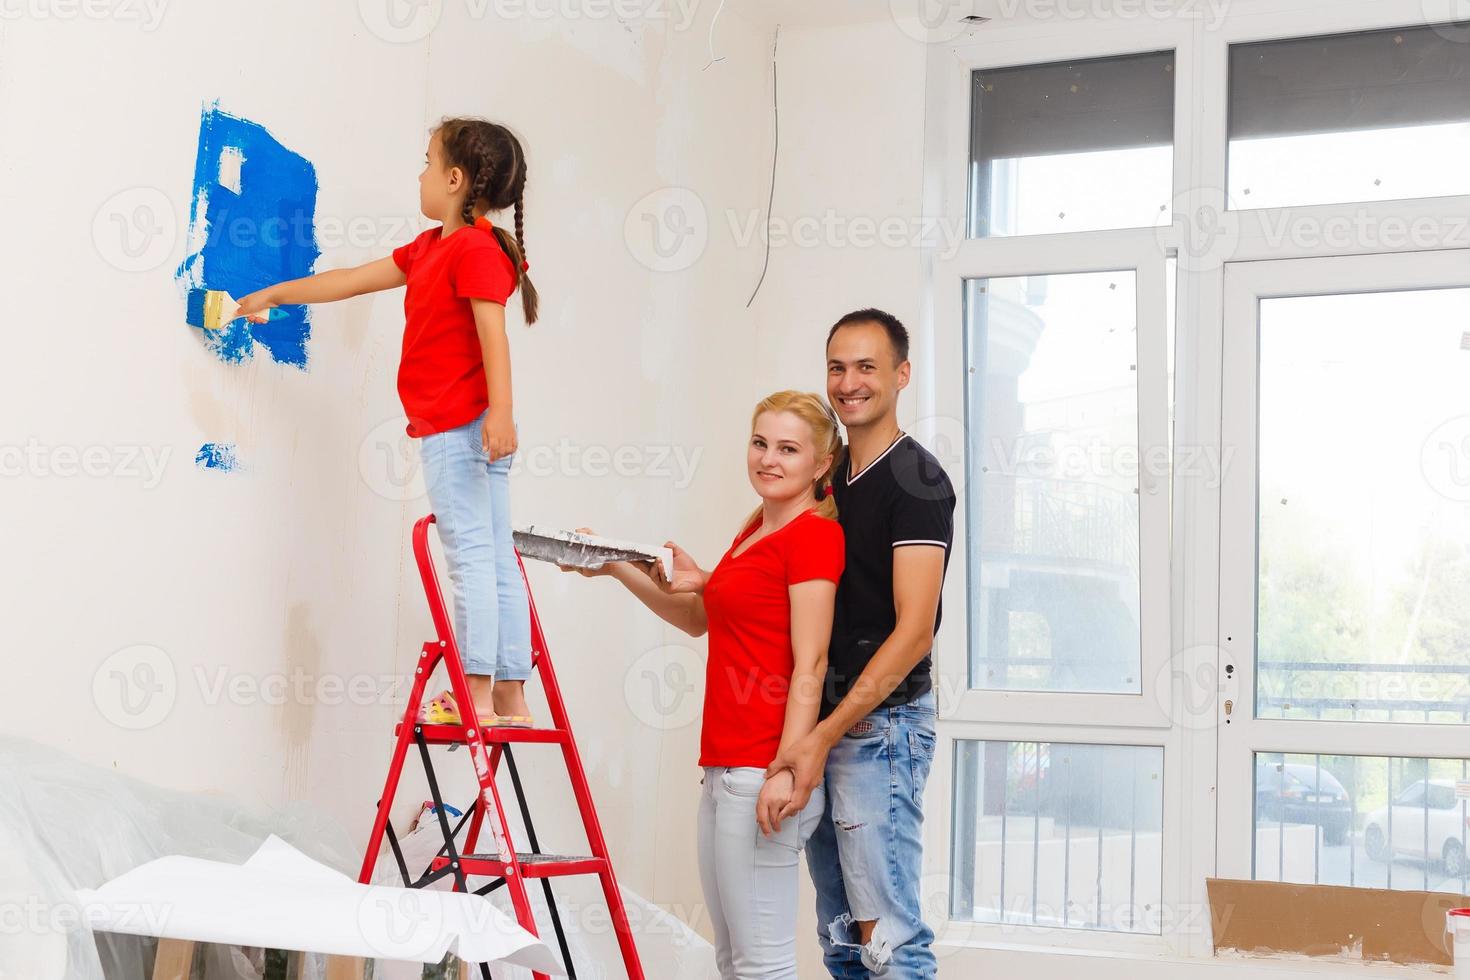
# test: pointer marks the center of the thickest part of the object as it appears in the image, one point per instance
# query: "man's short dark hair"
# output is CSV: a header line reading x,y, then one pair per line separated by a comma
x,y
898,337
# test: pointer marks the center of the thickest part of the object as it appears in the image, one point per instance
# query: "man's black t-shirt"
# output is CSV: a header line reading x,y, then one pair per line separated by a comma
x,y
901,499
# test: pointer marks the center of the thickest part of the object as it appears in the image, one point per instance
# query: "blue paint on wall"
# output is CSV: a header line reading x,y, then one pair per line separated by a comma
x,y
251,224
217,456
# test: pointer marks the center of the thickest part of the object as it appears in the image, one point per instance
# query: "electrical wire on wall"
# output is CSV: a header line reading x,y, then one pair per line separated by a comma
x,y
775,147
712,22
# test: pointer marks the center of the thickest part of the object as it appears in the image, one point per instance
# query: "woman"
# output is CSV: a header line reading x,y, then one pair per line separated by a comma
x,y
767,607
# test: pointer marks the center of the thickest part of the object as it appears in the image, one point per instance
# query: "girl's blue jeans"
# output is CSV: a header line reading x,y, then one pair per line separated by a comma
x,y
470,497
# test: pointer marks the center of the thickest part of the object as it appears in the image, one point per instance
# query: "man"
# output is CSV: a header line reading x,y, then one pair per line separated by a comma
x,y
875,741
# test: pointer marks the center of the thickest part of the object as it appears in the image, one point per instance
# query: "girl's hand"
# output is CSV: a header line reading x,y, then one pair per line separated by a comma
x,y
254,306
775,794
498,435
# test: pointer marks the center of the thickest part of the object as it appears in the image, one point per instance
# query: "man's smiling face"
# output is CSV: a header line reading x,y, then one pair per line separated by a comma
x,y
864,376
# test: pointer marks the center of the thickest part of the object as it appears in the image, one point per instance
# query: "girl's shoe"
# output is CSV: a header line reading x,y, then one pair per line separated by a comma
x,y
441,710
512,721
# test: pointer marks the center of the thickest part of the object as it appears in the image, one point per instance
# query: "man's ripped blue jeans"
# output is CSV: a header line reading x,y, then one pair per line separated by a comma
x,y
866,855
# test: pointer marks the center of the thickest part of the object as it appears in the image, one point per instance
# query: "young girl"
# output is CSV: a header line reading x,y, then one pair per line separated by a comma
x,y
454,381
767,607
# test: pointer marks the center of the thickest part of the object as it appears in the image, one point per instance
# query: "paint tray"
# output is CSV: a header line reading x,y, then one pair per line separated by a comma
x,y
574,549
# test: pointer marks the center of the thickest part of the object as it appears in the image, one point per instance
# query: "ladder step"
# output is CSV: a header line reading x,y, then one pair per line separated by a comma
x,y
489,734
532,865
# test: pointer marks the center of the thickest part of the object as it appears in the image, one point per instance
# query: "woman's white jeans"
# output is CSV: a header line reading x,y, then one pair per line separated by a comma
x,y
750,880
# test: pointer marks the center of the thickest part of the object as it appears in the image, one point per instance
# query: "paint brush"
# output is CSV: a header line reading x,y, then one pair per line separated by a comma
x,y
208,309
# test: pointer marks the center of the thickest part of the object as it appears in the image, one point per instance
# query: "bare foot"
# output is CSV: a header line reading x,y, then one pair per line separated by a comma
x,y
482,689
510,698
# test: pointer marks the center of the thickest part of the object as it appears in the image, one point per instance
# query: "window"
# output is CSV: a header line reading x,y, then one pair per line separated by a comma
x,y
1364,576
1327,820
1440,796
1263,635
1059,834
1072,146
1054,528
1413,796
1345,569
1370,116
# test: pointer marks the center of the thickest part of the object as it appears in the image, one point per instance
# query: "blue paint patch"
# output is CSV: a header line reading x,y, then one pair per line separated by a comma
x,y
252,223
217,456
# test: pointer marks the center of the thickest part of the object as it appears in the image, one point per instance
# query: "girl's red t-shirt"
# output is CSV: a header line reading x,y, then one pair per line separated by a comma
x,y
748,607
441,376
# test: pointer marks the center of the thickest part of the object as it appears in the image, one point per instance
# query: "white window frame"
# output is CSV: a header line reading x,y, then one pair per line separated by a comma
x,y
1180,601
1246,285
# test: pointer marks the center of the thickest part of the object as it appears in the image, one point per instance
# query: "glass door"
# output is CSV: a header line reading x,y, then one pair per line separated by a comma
x,y
1345,571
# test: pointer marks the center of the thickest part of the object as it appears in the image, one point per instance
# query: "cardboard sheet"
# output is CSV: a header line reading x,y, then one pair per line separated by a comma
x,y
1371,924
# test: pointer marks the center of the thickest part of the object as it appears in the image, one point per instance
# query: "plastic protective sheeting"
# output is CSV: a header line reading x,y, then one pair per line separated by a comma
x,y
668,949
281,899
65,826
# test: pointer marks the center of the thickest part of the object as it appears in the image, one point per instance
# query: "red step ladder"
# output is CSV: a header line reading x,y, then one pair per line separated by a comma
x,y
507,866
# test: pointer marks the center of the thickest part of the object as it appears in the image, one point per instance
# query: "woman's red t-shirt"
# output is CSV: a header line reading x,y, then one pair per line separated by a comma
x,y
441,376
748,606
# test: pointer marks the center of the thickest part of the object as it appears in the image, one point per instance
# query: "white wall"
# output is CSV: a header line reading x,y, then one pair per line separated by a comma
x,y
284,564
846,217
299,562
297,568
845,221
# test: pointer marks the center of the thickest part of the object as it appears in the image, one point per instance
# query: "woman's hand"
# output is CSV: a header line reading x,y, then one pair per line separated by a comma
x,y
688,576
775,795
655,571
497,435
607,569
646,580
254,306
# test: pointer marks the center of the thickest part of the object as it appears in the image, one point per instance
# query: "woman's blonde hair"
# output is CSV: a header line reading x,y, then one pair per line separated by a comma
x,y
826,437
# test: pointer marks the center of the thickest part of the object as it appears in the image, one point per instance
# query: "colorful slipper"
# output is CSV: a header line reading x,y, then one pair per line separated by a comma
x,y
441,710
511,721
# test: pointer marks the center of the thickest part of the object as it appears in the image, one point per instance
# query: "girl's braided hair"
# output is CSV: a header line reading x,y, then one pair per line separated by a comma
x,y
494,166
